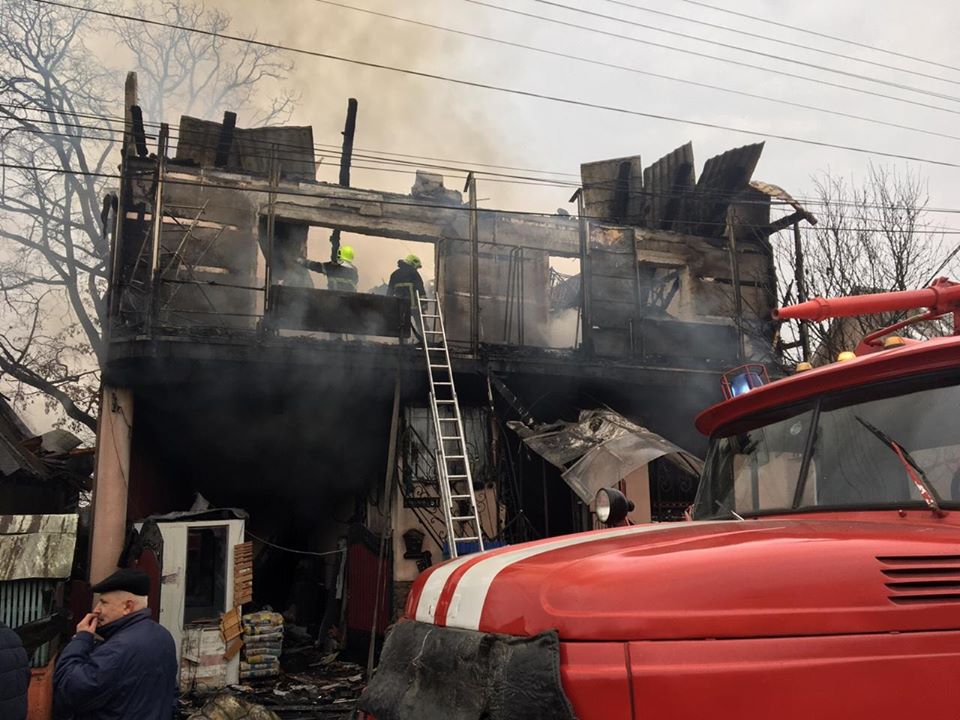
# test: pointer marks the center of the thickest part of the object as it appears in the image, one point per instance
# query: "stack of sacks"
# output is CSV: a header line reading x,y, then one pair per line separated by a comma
x,y
262,645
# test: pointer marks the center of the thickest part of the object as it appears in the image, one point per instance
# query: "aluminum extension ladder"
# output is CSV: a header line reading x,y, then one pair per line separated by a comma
x,y
457,497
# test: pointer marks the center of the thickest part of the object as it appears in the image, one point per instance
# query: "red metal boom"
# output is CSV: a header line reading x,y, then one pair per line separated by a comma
x,y
941,297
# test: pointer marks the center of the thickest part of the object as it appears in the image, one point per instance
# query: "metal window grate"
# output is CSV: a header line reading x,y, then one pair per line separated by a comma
x,y
23,601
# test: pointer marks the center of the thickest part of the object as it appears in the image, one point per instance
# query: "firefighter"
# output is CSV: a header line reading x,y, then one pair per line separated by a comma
x,y
341,275
405,281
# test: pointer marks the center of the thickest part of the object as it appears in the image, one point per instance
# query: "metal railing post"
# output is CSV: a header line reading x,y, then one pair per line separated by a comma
x,y
154,295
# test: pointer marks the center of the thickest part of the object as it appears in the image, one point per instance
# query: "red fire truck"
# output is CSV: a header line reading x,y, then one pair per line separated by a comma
x,y
819,578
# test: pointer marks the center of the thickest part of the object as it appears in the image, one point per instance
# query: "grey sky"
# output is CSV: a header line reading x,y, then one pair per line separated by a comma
x,y
421,116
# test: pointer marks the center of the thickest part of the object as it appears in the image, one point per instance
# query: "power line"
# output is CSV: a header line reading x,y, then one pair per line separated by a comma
x,y
319,148
639,71
778,41
206,184
714,58
750,51
512,91
675,192
458,165
671,192
386,164
815,33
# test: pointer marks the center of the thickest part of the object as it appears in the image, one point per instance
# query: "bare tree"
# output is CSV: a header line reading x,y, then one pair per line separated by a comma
x,y
60,138
201,74
874,236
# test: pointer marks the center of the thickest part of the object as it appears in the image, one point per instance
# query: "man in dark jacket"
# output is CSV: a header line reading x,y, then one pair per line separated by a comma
x,y
130,671
14,676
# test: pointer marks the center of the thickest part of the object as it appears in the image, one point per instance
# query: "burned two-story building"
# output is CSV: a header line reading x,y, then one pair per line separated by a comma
x,y
229,373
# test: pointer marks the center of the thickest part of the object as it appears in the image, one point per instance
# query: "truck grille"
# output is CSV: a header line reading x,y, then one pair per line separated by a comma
x,y
919,579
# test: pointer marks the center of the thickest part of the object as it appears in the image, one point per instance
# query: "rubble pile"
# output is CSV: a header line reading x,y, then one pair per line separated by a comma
x,y
321,688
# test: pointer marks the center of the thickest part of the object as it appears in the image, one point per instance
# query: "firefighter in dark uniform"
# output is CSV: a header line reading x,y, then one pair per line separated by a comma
x,y
406,283
341,275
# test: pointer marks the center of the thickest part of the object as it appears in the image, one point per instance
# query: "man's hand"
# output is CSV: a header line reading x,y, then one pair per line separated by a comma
x,y
88,624
301,261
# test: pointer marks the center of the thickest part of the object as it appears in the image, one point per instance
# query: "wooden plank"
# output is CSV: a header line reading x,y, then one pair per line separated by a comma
x,y
230,625
242,574
233,648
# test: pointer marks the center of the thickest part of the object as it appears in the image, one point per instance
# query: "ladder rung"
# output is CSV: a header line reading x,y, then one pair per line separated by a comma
x,y
446,402
454,457
433,332
456,477
451,437
444,367
459,497
465,539
428,315
442,382
461,518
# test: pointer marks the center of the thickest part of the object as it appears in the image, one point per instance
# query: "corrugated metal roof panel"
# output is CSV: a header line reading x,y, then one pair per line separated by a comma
x,y
37,546
723,177
665,184
612,189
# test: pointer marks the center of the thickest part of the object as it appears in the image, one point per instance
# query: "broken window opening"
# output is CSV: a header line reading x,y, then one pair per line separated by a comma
x,y
659,285
564,295
206,578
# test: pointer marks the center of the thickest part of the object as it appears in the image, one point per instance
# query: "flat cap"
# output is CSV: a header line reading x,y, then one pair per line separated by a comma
x,y
135,582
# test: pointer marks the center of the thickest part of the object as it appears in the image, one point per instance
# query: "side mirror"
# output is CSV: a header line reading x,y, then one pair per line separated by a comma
x,y
612,506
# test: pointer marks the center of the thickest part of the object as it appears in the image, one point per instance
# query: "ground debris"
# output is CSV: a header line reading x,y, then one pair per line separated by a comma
x,y
323,690
229,707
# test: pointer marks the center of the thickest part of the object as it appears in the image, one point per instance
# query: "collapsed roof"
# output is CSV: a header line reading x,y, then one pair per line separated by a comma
x,y
668,196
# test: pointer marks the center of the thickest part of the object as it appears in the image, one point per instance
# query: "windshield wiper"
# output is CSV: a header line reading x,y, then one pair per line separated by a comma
x,y
723,507
916,474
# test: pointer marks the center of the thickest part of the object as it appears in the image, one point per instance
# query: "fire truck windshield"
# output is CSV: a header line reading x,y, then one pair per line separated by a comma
x,y
859,450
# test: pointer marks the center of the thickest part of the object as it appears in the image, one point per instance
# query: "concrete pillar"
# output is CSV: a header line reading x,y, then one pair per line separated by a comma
x,y
111,481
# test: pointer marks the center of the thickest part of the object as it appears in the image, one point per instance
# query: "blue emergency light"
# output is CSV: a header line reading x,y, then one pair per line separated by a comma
x,y
743,379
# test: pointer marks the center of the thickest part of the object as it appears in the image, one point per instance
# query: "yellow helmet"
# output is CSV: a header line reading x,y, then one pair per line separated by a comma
x,y
346,253
413,260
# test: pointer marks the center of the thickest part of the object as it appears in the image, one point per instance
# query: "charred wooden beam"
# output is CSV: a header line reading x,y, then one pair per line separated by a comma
x,y
139,132
782,224
346,154
225,142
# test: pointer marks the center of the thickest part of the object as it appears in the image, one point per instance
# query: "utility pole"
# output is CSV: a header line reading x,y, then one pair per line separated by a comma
x,y
471,188
271,229
737,295
801,289
586,313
